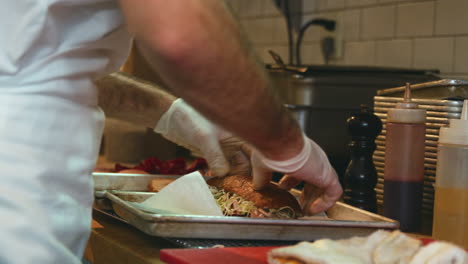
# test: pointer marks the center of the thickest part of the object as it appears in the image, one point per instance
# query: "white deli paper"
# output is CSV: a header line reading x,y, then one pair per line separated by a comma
x,y
188,195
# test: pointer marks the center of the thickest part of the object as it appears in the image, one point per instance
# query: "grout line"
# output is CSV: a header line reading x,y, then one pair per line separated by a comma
x,y
395,22
360,24
413,52
454,46
374,62
434,18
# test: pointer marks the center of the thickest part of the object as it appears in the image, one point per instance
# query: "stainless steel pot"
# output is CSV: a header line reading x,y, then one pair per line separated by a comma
x,y
323,97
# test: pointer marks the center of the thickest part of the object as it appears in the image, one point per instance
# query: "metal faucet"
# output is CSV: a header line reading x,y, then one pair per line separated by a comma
x,y
327,24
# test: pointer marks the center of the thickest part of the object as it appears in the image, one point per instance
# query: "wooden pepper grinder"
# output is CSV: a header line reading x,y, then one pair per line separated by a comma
x,y
361,176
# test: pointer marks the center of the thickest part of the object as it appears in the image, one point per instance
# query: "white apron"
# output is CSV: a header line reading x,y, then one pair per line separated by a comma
x,y
50,125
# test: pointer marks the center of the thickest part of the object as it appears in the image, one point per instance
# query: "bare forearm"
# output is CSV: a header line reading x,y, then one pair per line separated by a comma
x,y
197,47
130,99
137,66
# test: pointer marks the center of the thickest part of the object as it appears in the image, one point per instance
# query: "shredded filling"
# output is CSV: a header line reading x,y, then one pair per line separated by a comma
x,y
234,205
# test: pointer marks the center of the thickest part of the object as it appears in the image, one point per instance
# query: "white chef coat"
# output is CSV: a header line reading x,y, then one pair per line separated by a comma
x,y
50,125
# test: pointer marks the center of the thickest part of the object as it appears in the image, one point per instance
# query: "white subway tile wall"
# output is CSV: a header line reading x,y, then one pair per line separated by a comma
x,y
390,1
328,5
434,53
250,8
461,55
353,3
395,33
260,31
415,19
360,53
309,6
280,30
394,53
348,22
311,54
378,22
269,8
451,17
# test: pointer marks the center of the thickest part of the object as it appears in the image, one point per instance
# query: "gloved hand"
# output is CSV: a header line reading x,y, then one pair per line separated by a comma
x,y
237,153
322,188
186,127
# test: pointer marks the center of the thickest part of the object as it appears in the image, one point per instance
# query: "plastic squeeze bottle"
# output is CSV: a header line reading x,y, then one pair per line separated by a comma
x,y
404,163
451,187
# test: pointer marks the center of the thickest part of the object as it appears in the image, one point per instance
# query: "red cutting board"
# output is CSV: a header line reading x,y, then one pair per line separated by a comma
x,y
227,255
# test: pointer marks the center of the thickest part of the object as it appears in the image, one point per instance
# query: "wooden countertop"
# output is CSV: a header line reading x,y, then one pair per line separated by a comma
x,y
115,242
112,241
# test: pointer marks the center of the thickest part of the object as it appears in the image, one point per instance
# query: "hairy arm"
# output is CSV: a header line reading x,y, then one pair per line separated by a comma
x,y
137,66
201,54
127,98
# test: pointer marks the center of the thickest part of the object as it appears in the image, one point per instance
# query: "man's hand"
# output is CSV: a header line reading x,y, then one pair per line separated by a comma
x,y
311,165
238,153
184,126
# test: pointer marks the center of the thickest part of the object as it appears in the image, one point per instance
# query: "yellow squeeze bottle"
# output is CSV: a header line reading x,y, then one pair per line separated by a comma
x,y
451,187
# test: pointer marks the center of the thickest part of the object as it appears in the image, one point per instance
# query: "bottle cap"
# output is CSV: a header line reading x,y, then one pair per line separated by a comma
x,y
406,111
457,131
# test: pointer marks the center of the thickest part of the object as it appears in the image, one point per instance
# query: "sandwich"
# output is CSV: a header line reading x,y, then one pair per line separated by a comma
x,y
236,196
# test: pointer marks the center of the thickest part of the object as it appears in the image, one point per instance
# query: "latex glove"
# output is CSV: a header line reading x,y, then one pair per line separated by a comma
x,y
322,188
186,127
237,153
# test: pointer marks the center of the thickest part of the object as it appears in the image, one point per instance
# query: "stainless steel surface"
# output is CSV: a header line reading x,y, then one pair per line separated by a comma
x,y
441,89
443,101
345,220
125,181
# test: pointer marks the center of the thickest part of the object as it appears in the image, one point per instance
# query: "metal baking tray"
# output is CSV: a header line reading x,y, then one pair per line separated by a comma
x,y
441,89
125,181
343,220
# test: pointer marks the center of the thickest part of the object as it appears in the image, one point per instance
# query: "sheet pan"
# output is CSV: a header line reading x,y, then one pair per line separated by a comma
x,y
344,220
